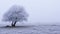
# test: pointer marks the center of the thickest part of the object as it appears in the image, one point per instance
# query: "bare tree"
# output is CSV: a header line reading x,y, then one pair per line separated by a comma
x,y
15,14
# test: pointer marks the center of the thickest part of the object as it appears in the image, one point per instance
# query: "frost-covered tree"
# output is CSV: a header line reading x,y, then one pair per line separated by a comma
x,y
15,14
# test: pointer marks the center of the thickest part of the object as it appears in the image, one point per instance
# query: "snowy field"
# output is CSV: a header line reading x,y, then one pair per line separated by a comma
x,y
41,29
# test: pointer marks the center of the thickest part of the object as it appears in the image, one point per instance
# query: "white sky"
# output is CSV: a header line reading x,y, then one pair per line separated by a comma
x,y
47,11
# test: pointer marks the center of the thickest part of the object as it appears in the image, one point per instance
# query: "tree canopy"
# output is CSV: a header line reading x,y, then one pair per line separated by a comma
x,y
15,13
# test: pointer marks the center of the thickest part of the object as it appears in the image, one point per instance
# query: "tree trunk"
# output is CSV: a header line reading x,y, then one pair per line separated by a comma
x,y
13,24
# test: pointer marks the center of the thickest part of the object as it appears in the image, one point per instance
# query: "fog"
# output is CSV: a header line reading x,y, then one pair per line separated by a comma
x,y
40,11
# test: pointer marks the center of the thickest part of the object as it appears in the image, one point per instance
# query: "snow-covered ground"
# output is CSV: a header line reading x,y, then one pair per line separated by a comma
x,y
40,29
